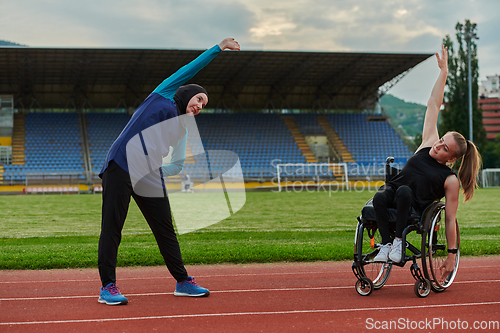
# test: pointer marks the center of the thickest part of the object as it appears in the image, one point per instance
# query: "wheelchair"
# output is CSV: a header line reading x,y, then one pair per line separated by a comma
x,y
432,251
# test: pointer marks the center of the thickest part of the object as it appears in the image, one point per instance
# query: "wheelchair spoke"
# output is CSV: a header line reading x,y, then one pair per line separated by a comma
x,y
377,272
436,249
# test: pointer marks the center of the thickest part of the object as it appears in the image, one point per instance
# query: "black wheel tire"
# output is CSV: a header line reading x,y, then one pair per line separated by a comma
x,y
436,289
364,286
377,272
422,288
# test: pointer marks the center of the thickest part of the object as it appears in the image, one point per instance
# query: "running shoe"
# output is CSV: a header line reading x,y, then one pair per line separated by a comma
x,y
190,288
383,253
396,250
111,295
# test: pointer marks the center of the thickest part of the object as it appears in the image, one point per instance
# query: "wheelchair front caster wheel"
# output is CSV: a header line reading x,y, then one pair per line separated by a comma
x,y
364,286
422,288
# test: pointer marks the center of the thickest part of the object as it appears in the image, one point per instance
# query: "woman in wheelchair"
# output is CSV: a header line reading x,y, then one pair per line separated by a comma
x,y
426,177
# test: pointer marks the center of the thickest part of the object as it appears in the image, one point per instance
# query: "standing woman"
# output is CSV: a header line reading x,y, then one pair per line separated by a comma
x,y
168,101
426,177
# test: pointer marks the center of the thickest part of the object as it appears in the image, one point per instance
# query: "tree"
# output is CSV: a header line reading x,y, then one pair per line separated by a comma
x,y
455,116
491,154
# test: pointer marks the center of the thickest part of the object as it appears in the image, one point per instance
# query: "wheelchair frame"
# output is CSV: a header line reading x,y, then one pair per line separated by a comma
x,y
433,251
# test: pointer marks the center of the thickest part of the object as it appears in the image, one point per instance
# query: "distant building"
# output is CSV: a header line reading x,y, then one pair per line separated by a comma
x,y
489,102
490,88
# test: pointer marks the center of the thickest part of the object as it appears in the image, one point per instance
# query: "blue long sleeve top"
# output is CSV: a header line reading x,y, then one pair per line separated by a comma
x,y
156,108
178,157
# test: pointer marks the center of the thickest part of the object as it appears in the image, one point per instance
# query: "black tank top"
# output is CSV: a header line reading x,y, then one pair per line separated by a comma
x,y
425,176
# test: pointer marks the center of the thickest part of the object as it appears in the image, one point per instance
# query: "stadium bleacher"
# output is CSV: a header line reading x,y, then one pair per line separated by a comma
x,y
258,140
54,142
308,124
370,142
103,129
52,145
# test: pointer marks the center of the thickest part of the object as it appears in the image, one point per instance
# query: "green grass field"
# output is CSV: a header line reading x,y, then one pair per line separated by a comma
x,y
61,231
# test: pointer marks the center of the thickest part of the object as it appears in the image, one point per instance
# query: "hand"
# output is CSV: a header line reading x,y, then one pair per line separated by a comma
x,y
446,268
230,44
443,60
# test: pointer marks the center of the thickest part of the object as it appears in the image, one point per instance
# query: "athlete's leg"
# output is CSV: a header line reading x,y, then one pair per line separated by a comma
x,y
403,200
117,189
382,201
159,217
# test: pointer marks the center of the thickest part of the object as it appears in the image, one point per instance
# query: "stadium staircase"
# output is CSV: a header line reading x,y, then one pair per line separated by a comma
x,y
190,155
18,140
1,174
299,139
370,139
335,140
82,124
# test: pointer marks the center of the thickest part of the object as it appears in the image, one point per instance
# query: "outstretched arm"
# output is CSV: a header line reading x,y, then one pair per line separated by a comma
x,y
168,87
451,188
430,132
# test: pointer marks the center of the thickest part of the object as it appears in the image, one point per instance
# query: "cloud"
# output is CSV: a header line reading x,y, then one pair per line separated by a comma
x,y
127,23
292,25
488,48
339,26
272,27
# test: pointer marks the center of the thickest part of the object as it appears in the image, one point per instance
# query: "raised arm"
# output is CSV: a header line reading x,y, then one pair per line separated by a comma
x,y
168,87
430,132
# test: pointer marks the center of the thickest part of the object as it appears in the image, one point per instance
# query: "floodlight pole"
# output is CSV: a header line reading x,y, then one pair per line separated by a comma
x,y
469,34
470,89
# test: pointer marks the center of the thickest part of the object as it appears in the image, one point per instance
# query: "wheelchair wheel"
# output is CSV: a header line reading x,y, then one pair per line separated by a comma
x,y
434,250
422,288
368,241
364,286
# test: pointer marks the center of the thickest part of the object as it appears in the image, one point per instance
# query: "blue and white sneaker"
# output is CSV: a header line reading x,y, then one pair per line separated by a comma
x,y
111,295
190,288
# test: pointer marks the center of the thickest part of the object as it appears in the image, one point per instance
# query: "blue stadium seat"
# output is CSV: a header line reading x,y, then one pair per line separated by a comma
x,y
50,140
369,142
53,140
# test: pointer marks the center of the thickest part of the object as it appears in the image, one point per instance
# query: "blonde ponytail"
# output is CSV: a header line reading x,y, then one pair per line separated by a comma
x,y
470,165
469,169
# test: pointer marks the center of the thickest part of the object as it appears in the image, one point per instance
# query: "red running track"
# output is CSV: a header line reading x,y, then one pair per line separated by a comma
x,y
285,297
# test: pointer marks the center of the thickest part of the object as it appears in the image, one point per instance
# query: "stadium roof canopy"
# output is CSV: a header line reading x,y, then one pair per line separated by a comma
x,y
122,78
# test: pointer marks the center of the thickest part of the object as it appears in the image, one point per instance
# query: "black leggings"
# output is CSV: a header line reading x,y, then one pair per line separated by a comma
x,y
117,190
389,197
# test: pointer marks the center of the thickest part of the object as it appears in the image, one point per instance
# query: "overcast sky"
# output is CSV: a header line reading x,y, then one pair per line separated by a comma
x,y
409,26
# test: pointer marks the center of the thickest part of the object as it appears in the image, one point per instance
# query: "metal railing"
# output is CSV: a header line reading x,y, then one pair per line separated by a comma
x,y
42,179
5,155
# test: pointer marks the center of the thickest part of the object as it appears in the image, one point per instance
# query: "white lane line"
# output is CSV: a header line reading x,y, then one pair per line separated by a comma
x,y
168,277
171,293
203,276
228,314
226,291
